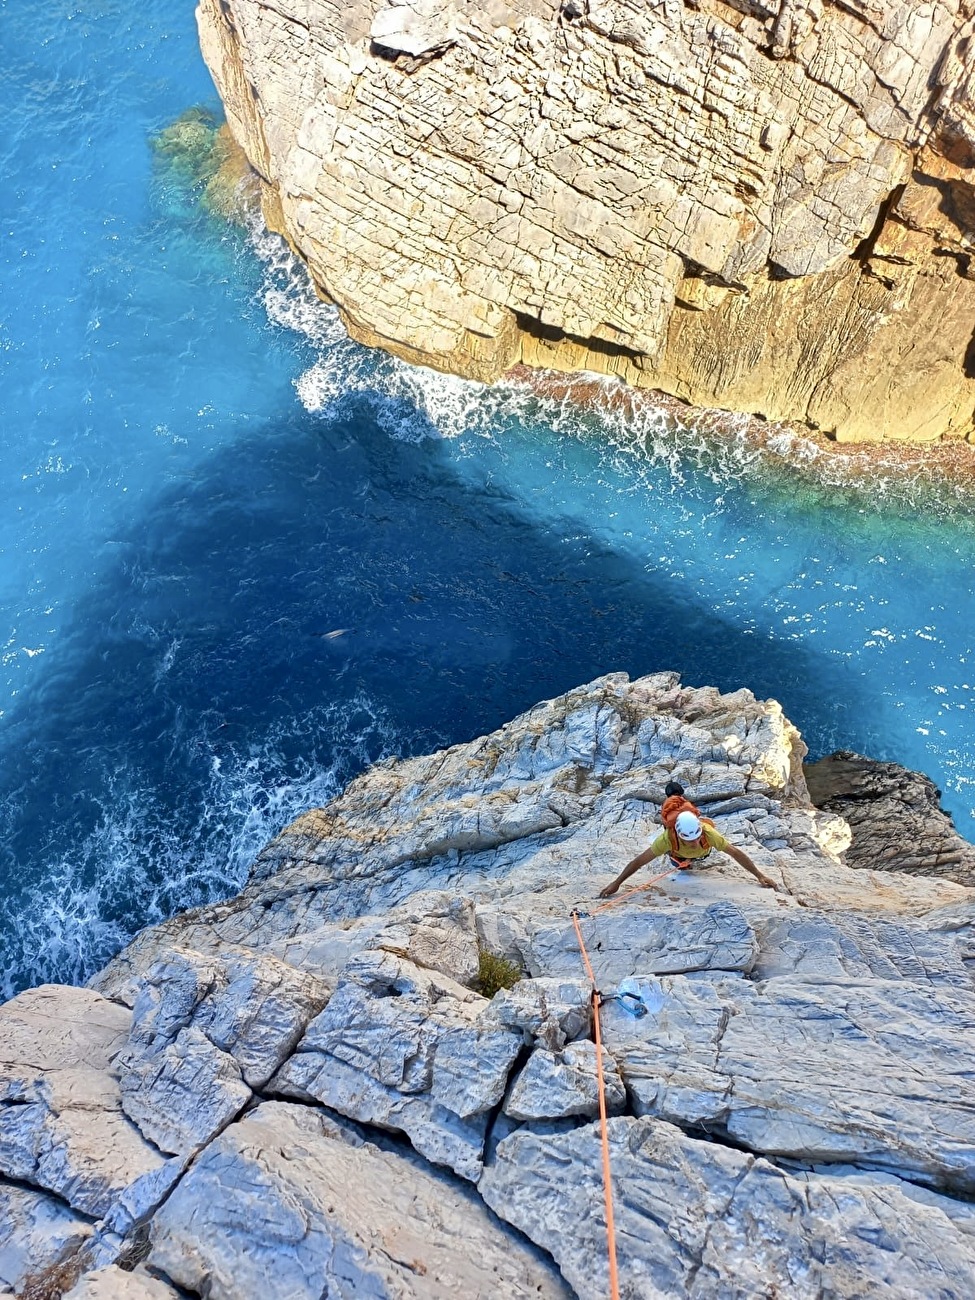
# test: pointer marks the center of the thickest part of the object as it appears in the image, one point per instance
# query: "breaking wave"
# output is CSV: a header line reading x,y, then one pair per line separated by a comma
x,y
413,402
146,859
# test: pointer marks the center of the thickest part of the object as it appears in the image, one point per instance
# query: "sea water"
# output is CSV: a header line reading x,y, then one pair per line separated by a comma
x,y
242,557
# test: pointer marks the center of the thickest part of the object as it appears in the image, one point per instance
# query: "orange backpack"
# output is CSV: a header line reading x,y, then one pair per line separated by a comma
x,y
673,806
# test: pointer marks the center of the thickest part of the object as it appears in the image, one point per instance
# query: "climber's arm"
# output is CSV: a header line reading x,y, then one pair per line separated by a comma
x,y
646,856
745,861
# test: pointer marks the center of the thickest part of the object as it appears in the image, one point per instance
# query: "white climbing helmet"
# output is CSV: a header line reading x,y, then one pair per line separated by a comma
x,y
687,826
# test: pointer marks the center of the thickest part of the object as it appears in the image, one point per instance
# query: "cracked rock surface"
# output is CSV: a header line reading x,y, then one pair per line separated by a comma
x,y
117,1284
62,1125
873,1071
205,1031
304,1083
703,1220
328,1213
403,1050
754,204
36,1233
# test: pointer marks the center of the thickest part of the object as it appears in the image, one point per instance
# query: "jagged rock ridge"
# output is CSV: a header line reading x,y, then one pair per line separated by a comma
x,y
299,1088
765,205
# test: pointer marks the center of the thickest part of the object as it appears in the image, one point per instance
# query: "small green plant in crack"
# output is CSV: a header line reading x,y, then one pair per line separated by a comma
x,y
495,972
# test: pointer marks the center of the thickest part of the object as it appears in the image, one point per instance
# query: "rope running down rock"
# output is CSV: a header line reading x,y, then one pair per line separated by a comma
x,y
614,1286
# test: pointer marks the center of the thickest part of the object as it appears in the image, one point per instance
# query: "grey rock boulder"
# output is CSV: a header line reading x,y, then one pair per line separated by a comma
x,y
415,27
206,1029
699,1219
114,1283
550,1012
36,1233
183,1092
62,1126
407,1050
250,1006
435,929
289,1194
437,932
559,1085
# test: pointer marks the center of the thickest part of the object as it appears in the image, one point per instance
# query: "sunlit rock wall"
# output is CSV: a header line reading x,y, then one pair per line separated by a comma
x,y
757,204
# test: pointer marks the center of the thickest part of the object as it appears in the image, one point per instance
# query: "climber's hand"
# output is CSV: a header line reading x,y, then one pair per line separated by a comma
x,y
609,890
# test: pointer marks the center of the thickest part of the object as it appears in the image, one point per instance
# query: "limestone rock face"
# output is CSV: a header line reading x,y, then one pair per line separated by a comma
x,y
322,1212
406,1051
895,817
550,1012
116,1284
699,1219
432,928
718,937
62,1127
786,1068
301,1084
757,205
205,1031
37,1232
558,1085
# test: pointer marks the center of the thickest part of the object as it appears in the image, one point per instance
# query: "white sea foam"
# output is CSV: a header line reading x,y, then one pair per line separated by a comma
x,y
413,402
71,923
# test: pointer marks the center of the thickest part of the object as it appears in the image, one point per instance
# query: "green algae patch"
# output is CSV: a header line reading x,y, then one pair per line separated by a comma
x,y
197,156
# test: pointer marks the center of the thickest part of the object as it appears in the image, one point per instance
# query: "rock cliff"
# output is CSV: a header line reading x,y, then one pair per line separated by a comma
x,y
299,1092
764,205
895,817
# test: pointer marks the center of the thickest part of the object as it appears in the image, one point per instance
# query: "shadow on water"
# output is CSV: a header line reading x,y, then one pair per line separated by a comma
x,y
318,595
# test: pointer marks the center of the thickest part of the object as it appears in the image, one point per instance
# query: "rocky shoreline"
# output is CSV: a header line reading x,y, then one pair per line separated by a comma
x,y
761,206
895,817
895,469
301,1084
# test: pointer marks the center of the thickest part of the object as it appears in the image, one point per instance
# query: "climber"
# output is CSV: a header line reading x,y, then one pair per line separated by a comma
x,y
686,838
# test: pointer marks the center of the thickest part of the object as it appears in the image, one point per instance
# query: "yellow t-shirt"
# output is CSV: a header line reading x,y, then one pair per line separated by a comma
x,y
687,852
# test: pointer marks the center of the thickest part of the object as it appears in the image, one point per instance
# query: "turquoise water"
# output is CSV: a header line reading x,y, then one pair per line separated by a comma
x,y
241,557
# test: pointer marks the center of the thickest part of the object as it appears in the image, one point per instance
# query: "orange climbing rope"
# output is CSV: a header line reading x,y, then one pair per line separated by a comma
x,y
614,1285
654,880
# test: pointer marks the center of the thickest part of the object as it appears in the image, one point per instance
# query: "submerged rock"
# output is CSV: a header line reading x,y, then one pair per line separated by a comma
x,y
199,157
788,1069
759,206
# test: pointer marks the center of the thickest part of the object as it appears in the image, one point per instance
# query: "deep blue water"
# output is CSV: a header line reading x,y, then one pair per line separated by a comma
x,y
241,557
